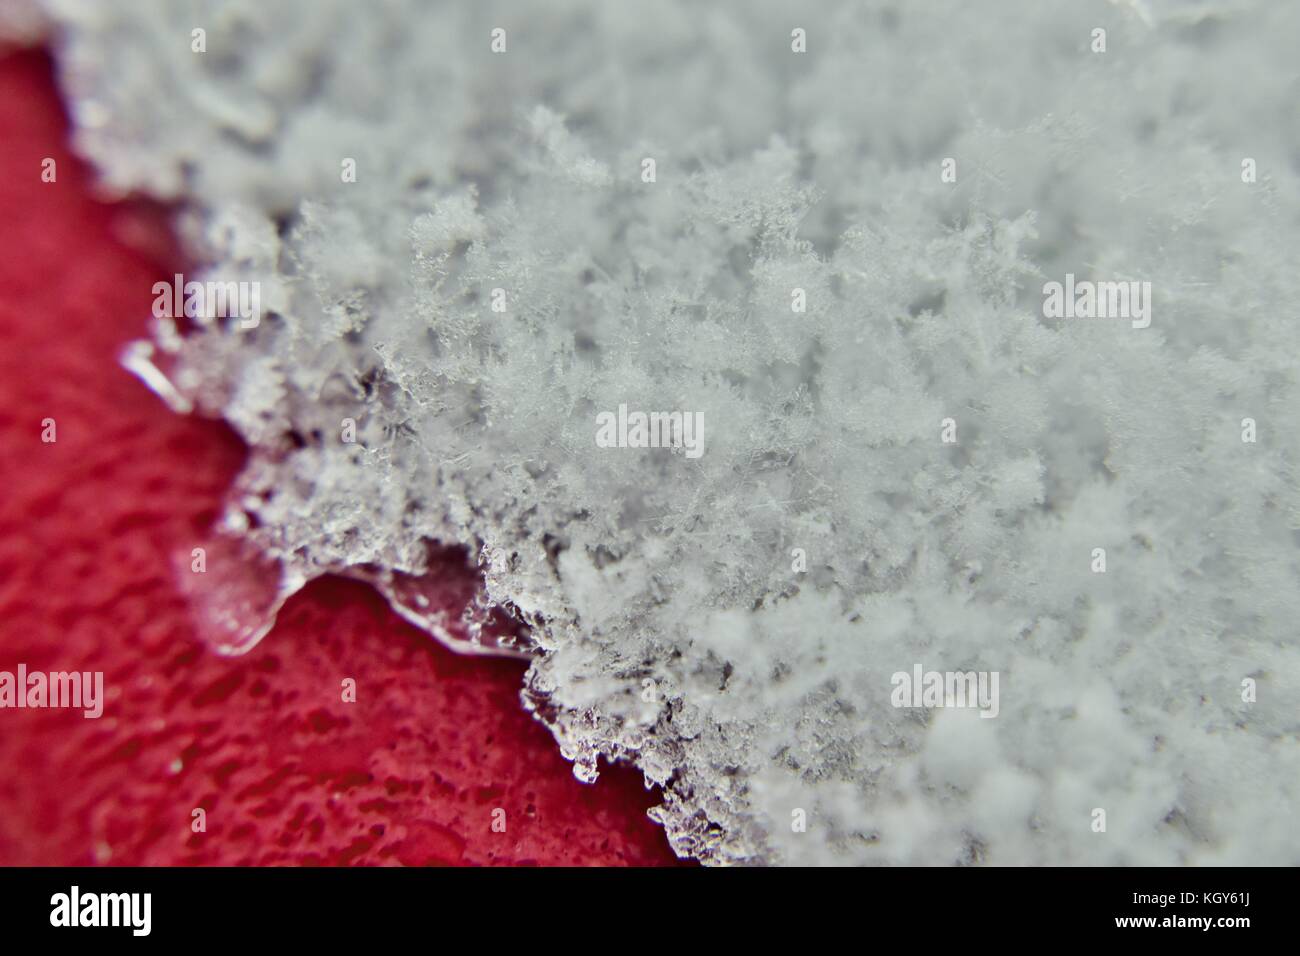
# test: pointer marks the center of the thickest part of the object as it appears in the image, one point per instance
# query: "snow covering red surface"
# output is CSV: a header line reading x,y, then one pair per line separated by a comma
x,y
284,770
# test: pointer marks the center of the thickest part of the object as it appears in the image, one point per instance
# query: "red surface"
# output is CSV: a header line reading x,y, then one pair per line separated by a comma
x,y
285,771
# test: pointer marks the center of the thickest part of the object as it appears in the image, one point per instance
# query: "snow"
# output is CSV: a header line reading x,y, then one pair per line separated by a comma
x,y
500,274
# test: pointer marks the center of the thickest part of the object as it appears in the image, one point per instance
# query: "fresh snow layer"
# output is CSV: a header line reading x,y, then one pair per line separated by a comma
x,y
915,472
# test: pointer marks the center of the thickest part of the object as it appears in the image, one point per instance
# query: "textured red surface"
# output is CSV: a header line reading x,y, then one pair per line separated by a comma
x,y
285,771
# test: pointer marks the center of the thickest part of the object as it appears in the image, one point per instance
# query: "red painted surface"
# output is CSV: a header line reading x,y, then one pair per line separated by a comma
x,y
285,771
